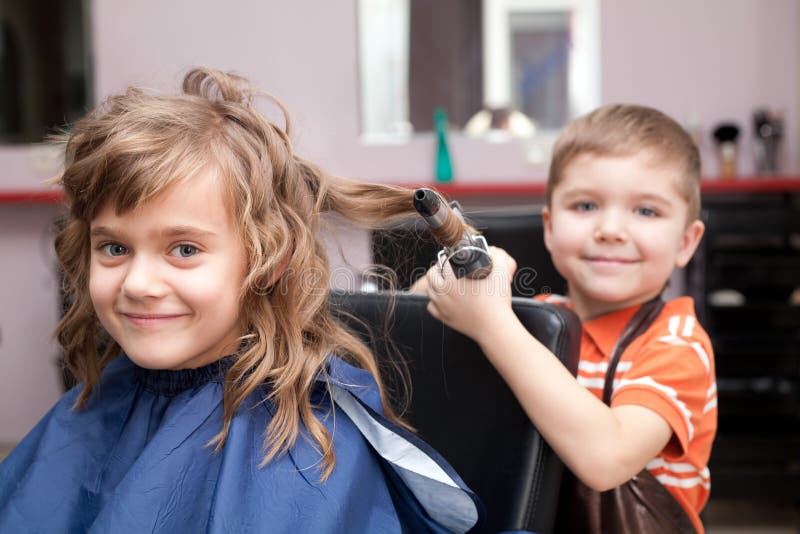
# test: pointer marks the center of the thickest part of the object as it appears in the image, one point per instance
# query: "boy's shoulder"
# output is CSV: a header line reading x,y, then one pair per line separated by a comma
x,y
677,307
678,327
675,343
676,324
552,298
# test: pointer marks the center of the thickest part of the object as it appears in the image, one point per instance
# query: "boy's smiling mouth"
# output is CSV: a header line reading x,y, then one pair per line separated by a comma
x,y
608,259
608,264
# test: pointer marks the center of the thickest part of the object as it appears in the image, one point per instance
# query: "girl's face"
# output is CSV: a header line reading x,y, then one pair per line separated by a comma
x,y
165,278
616,229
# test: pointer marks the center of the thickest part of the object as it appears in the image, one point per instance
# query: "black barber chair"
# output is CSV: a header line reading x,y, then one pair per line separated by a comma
x,y
462,407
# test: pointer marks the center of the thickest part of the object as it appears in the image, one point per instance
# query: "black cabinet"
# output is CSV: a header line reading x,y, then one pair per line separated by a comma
x,y
746,280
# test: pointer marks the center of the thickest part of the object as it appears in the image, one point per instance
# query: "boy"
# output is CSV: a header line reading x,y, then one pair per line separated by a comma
x,y
622,208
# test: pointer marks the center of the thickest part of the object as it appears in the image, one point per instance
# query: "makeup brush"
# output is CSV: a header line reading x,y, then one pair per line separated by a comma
x,y
725,135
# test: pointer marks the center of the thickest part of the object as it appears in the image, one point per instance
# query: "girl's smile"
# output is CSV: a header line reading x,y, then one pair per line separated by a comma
x,y
151,320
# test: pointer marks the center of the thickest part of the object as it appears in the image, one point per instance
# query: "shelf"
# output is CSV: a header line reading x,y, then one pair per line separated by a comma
x,y
766,184
32,196
758,184
761,184
751,247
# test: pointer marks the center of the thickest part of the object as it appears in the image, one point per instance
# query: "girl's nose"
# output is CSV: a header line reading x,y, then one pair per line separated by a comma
x,y
143,279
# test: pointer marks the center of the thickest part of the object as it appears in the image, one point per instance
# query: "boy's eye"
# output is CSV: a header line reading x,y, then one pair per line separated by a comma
x,y
585,206
184,251
114,249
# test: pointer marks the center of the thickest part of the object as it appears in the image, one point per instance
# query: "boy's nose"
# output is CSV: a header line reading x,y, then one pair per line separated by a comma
x,y
611,229
143,279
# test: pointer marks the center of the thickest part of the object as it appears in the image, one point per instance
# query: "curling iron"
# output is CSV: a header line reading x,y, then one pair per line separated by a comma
x,y
469,256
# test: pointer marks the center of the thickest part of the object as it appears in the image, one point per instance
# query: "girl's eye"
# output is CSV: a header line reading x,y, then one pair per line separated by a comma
x,y
647,212
114,249
185,251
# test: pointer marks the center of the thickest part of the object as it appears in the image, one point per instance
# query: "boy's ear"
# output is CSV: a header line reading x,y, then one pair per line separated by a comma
x,y
689,242
547,226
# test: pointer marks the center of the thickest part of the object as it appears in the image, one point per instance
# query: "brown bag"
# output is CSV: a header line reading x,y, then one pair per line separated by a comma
x,y
640,505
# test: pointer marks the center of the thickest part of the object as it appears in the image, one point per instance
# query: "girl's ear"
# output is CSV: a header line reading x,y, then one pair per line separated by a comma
x,y
547,225
280,269
689,242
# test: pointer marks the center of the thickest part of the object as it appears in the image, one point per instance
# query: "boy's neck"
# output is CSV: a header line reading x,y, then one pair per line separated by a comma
x,y
588,309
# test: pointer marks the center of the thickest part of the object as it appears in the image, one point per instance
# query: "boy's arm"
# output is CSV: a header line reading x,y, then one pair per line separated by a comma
x,y
603,446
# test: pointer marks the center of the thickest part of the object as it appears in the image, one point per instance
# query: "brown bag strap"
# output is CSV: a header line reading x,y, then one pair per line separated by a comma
x,y
638,324
642,504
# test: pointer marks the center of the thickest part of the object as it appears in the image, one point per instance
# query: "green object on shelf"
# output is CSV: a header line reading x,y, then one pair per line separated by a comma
x,y
444,166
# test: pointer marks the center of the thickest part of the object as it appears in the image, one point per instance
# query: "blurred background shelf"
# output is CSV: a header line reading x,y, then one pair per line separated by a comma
x,y
746,282
488,189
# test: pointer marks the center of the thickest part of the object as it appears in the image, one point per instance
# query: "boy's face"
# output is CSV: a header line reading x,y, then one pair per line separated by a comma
x,y
165,278
616,229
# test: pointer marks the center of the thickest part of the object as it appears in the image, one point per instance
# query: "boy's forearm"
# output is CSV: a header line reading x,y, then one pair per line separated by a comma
x,y
582,430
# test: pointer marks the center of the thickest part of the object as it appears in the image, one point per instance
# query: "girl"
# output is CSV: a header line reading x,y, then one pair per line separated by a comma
x,y
224,396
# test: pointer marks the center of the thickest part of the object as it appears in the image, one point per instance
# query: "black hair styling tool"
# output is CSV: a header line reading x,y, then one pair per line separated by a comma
x,y
469,254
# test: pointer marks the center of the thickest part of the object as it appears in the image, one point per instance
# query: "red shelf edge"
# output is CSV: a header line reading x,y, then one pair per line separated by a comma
x,y
767,184
32,196
761,184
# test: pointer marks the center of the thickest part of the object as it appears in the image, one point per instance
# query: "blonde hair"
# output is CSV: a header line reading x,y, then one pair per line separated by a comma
x,y
624,130
138,144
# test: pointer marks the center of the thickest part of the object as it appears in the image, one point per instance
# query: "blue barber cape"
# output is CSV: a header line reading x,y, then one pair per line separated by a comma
x,y
136,460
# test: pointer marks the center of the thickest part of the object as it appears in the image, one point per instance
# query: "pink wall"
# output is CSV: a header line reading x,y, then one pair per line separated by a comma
x,y
706,61
703,61
29,379
709,60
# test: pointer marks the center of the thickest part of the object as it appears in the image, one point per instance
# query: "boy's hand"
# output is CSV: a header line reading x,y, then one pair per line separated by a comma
x,y
473,307
420,286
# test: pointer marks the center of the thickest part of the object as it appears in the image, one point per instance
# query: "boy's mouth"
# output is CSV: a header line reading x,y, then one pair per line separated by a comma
x,y
609,259
607,265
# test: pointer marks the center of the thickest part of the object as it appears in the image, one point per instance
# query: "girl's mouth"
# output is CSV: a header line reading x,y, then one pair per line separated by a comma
x,y
145,320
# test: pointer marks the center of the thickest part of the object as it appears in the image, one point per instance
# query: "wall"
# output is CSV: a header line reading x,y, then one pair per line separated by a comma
x,y
699,61
706,62
29,379
696,60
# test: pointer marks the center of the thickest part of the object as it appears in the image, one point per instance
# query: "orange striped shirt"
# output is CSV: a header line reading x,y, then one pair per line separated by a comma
x,y
670,370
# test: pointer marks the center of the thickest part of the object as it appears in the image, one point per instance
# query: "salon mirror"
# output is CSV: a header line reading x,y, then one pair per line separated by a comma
x,y
502,69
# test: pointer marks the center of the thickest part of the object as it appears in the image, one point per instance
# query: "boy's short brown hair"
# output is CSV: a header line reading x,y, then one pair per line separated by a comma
x,y
625,129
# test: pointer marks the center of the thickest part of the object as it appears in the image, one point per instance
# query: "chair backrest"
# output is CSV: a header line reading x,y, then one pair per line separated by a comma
x,y
462,407
410,249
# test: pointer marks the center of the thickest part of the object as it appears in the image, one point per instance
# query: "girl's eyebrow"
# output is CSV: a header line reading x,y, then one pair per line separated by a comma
x,y
187,231
171,232
101,231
